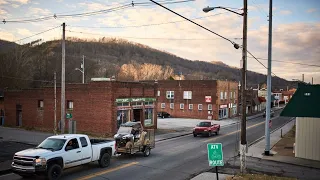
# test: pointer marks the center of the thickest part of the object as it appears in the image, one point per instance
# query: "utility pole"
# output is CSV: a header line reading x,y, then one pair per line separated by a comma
x,y
267,123
55,103
243,145
82,67
63,71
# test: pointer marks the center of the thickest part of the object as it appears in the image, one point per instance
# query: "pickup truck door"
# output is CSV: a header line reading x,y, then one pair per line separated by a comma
x,y
72,156
86,151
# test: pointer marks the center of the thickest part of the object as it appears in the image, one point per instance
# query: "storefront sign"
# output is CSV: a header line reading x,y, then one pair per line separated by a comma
x,y
122,100
137,107
149,106
208,99
123,107
223,106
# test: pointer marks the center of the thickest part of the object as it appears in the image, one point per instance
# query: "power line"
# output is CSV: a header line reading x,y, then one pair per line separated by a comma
x,y
37,34
194,22
260,62
313,65
55,16
146,25
81,32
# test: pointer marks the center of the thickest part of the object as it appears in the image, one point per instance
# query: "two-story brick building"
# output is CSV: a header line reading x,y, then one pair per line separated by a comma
x,y
201,99
97,107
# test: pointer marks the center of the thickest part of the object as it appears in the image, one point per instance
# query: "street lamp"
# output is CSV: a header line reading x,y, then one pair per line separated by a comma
x,y
82,69
243,144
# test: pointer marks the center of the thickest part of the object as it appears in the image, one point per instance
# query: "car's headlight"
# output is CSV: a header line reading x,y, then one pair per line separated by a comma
x,y
205,130
40,161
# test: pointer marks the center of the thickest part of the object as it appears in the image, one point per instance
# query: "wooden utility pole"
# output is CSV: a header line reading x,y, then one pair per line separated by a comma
x,y
63,71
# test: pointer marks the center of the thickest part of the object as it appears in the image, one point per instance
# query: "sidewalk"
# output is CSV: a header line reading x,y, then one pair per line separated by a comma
x,y
22,135
256,150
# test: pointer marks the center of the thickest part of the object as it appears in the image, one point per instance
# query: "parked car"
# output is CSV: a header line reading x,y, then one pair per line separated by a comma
x,y
206,128
163,114
60,152
271,113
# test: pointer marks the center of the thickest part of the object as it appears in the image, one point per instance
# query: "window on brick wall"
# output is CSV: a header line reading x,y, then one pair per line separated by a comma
x,y
69,104
190,106
234,94
221,95
181,106
230,95
171,105
200,107
40,104
225,95
187,94
210,107
158,93
163,105
170,94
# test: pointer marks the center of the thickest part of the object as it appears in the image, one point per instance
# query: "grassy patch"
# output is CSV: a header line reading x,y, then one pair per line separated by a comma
x,y
257,177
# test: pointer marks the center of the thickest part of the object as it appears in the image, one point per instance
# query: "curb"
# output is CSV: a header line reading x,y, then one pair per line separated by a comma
x,y
290,163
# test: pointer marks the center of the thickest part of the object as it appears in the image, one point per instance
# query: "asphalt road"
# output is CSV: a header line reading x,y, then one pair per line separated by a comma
x,y
176,159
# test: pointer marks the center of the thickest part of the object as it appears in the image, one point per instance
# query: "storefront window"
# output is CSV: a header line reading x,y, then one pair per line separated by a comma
x,y
148,114
122,117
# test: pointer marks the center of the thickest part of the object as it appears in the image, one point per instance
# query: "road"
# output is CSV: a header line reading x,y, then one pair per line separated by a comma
x,y
176,159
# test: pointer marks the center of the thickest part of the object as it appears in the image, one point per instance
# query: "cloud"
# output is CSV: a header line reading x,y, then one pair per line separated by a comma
x,y
3,2
92,6
2,12
311,10
6,35
285,12
24,32
15,5
39,11
21,1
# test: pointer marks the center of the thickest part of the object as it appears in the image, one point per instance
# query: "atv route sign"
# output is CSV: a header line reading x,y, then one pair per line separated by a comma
x,y
215,154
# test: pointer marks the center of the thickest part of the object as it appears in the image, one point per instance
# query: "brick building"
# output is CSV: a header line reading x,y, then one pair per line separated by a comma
x,y
97,107
201,99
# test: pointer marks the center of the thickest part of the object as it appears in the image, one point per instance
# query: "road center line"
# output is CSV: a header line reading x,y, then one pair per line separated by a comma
x,y
107,171
208,140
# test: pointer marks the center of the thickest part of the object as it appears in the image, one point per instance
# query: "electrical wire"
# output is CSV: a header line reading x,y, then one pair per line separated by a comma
x,y
37,34
194,23
92,13
81,32
146,25
261,63
303,64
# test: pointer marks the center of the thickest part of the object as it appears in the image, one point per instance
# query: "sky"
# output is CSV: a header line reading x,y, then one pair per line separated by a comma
x,y
296,29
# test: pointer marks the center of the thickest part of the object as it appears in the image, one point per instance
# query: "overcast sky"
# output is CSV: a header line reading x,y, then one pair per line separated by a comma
x,y
296,29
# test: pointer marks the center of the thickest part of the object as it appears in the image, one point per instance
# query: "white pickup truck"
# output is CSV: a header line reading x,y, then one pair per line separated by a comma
x,y
60,152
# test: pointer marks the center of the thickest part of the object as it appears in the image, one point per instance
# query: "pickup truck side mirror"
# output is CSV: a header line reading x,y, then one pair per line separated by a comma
x,y
68,148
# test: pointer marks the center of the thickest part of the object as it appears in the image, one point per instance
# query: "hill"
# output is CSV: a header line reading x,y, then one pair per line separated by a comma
x,y
103,58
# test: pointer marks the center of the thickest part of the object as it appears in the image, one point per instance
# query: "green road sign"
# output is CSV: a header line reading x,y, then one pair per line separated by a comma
x,y
69,116
215,154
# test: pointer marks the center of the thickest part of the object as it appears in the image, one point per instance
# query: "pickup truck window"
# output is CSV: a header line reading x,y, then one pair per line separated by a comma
x,y
52,144
83,141
72,144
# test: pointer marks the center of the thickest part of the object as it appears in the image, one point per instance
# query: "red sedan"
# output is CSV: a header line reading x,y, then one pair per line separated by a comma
x,y
206,128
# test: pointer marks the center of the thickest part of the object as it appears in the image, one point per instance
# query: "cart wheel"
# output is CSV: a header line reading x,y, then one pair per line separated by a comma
x,y
146,151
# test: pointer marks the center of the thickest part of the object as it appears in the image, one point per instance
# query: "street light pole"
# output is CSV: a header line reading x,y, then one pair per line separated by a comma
x,y
243,142
82,66
243,145
268,121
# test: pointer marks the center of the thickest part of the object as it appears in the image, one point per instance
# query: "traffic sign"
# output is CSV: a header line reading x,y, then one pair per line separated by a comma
x,y
69,116
215,154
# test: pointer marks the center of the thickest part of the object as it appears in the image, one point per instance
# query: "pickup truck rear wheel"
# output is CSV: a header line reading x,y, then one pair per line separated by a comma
x,y
104,161
54,172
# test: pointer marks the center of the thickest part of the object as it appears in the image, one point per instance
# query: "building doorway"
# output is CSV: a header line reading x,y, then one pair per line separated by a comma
x,y
137,115
18,115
